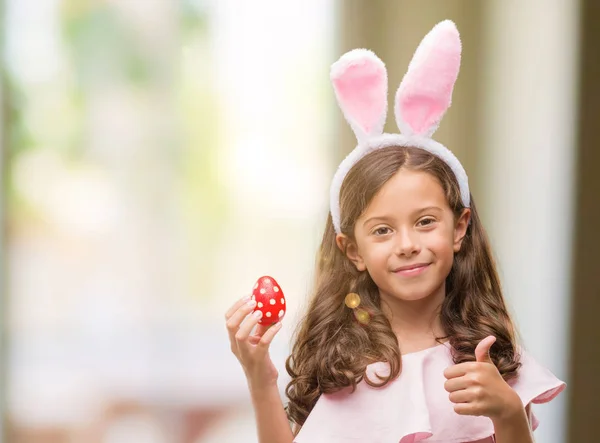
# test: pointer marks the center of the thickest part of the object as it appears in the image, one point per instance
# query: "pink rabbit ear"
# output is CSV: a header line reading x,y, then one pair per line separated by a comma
x,y
359,79
426,89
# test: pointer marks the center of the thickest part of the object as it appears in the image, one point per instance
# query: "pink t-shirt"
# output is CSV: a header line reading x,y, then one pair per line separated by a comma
x,y
415,406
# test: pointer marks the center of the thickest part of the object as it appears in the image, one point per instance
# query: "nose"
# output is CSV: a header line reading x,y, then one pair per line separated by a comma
x,y
407,243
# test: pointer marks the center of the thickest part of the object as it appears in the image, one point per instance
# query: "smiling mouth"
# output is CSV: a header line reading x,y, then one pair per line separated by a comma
x,y
409,271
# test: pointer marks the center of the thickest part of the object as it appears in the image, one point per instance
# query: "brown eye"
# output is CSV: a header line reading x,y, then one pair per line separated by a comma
x,y
378,231
426,221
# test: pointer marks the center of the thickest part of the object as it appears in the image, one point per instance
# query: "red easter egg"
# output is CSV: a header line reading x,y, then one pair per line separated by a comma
x,y
269,300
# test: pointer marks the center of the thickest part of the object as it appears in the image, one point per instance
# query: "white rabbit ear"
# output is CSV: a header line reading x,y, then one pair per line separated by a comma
x,y
426,89
359,80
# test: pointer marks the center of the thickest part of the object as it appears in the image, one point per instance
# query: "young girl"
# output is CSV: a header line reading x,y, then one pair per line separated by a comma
x,y
407,335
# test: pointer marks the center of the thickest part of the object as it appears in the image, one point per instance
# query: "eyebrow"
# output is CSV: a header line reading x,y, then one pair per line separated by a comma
x,y
387,217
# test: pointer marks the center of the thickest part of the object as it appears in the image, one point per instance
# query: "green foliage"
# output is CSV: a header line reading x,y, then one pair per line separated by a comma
x,y
103,46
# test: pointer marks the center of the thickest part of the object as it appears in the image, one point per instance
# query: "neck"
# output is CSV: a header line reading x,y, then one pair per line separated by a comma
x,y
416,323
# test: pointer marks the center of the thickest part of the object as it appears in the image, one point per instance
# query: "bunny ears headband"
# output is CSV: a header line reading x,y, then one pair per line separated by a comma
x,y
359,79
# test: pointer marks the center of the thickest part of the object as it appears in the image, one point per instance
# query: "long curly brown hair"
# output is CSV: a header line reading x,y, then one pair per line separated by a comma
x,y
331,350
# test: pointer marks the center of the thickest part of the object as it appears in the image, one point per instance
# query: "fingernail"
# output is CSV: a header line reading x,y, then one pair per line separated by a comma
x,y
258,314
251,303
278,325
247,297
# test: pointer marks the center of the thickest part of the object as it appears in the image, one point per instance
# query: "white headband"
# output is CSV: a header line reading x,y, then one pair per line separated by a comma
x,y
359,79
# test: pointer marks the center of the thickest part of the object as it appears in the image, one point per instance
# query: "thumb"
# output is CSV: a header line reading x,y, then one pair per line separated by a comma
x,y
482,351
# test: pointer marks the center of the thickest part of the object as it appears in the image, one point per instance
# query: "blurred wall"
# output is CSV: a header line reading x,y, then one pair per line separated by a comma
x,y
584,389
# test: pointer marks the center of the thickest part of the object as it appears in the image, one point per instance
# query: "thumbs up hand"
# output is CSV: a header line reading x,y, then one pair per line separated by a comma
x,y
482,351
477,388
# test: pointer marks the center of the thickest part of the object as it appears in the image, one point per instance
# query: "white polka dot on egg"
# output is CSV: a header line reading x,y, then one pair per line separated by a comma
x,y
272,301
283,301
276,289
262,290
260,305
268,314
281,313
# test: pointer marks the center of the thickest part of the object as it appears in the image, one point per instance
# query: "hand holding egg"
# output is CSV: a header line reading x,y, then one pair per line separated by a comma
x,y
252,323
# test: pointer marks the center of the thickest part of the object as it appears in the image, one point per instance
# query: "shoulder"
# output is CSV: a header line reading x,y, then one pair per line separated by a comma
x,y
296,428
529,414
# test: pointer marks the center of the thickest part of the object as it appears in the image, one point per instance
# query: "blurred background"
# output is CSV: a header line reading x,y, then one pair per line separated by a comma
x,y
161,155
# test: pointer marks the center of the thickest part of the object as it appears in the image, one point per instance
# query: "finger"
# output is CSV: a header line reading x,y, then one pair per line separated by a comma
x,y
259,332
466,409
268,336
233,324
482,351
244,331
261,329
456,384
236,306
462,396
459,370
254,339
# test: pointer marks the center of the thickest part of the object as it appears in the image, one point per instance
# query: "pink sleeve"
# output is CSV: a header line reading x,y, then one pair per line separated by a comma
x,y
536,384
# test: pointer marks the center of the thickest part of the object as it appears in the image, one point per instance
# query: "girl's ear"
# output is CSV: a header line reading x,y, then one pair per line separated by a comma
x,y
350,249
460,229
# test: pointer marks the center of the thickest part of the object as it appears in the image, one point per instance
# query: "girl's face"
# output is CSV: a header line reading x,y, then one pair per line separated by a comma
x,y
407,237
